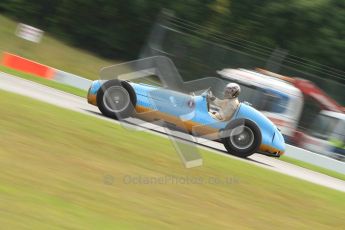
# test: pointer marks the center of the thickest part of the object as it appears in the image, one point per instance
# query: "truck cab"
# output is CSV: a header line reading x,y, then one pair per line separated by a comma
x,y
326,135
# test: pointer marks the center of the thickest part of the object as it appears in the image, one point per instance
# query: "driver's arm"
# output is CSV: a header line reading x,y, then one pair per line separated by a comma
x,y
214,100
217,102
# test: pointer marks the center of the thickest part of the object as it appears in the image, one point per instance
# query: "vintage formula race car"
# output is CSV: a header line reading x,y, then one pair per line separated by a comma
x,y
247,132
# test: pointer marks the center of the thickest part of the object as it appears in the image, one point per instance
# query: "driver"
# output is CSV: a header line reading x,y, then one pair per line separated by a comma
x,y
228,105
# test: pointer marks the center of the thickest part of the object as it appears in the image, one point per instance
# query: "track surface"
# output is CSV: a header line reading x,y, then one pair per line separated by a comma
x,y
65,100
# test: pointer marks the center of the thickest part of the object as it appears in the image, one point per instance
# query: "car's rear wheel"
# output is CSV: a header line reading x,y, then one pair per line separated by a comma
x,y
241,138
116,99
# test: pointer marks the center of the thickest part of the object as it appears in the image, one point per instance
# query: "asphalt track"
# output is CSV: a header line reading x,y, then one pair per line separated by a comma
x,y
72,102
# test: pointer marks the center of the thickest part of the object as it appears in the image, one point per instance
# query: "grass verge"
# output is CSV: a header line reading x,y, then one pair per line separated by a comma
x,y
313,167
65,170
43,81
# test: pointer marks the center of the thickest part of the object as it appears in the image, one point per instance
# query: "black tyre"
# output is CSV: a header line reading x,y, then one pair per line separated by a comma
x,y
241,138
116,99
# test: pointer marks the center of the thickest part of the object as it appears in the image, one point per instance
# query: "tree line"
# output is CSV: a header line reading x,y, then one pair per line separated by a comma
x,y
312,30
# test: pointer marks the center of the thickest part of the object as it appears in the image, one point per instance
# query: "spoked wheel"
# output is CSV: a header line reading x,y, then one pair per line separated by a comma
x,y
241,138
116,99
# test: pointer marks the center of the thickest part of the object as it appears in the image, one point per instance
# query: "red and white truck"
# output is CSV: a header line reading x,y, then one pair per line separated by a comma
x,y
315,101
293,104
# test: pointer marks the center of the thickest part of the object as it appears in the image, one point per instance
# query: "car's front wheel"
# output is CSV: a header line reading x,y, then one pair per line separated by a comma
x,y
241,138
116,99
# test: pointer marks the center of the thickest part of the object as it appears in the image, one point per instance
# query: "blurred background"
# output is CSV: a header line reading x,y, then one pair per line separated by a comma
x,y
288,55
63,169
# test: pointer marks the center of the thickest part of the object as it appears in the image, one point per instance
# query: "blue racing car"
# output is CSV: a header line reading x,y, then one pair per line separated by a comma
x,y
248,131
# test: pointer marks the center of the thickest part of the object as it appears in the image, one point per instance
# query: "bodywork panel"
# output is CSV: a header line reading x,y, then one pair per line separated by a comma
x,y
190,113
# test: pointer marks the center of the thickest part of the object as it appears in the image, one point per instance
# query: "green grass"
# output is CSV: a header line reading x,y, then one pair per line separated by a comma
x,y
65,170
43,81
51,52
313,167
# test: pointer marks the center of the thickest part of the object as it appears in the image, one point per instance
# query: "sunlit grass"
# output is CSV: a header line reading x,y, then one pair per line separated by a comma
x,y
51,52
65,170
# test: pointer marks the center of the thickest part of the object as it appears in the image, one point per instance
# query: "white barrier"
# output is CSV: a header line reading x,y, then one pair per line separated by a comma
x,y
72,80
315,159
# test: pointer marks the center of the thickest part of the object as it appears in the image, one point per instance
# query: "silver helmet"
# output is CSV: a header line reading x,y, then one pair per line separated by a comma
x,y
232,90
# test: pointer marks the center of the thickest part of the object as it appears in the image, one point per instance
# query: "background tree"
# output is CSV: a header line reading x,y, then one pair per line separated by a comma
x,y
310,30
